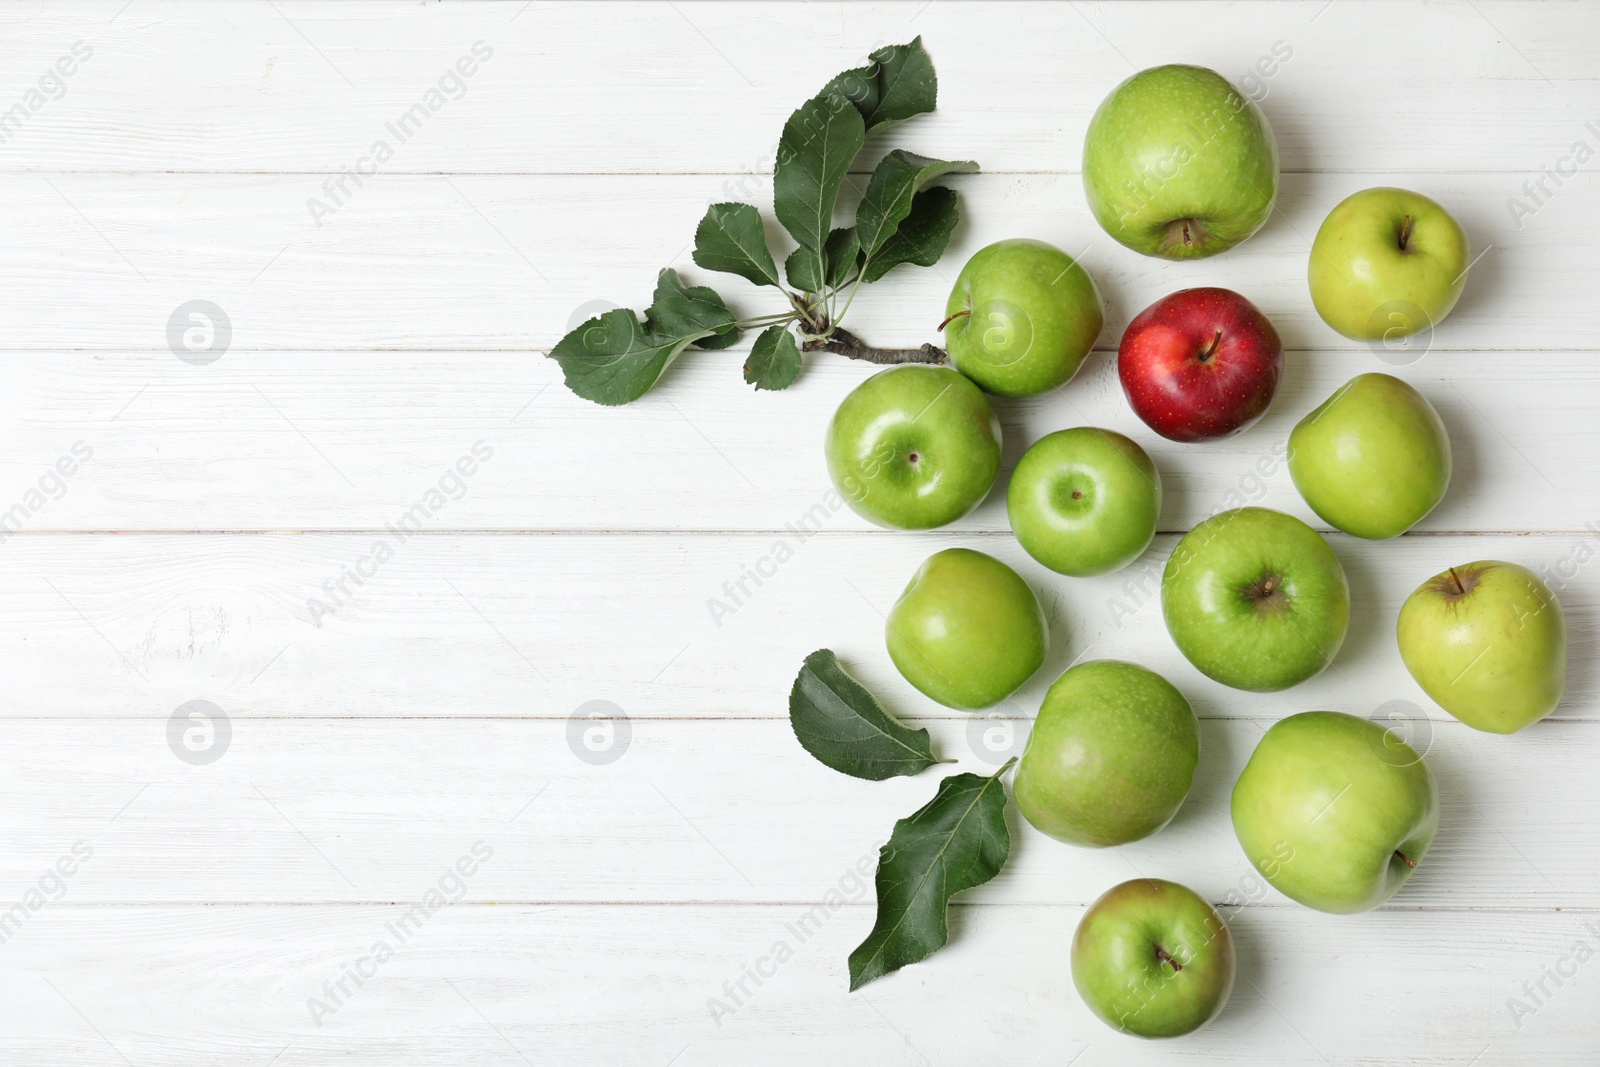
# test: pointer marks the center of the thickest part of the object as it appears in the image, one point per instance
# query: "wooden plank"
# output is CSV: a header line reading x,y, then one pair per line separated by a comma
x,y
163,987
535,625
312,86
331,810
513,262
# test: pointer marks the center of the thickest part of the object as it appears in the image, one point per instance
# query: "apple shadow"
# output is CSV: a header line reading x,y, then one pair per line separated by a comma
x,y
1248,960
1212,790
1367,630
1582,613
1485,277
1465,476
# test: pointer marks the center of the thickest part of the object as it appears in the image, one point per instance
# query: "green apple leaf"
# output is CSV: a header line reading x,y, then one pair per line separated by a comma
x,y
804,270
956,841
898,178
819,143
614,358
899,84
730,239
842,255
922,235
774,361
844,726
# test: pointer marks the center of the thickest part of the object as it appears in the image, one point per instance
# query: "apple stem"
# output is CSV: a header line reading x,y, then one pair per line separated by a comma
x,y
1461,590
1165,957
951,318
845,343
1405,233
1211,349
1405,859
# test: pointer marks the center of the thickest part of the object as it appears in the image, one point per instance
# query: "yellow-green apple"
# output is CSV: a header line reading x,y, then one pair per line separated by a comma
x,y
1387,263
1373,458
1178,163
1255,599
1335,811
1151,958
967,631
1488,642
1111,756
1021,317
1200,364
1084,501
914,447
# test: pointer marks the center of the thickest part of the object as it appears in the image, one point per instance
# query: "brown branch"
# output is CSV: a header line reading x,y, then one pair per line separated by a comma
x,y
845,343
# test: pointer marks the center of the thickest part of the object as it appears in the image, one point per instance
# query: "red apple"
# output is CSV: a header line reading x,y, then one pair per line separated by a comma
x,y
1200,364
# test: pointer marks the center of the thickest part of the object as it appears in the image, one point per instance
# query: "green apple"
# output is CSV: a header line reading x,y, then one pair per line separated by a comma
x,y
914,447
1084,501
1387,263
1255,599
967,631
1021,318
1111,756
1178,163
1153,959
1488,642
1335,811
1373,459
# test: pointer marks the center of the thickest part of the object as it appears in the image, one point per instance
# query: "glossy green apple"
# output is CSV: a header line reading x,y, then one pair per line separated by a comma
x,y
1373,458
1178,163
1084,501
1022,316
1335,811
1151,958
914,447
1255,599
1111,756
1488,642
1387,263
967,631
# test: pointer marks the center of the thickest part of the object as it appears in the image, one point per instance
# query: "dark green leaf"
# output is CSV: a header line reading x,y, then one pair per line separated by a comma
x,y
899,176
774,363
899,84
804,270
730,239
957,841
819,142
842,253
845,727
922,235
614,358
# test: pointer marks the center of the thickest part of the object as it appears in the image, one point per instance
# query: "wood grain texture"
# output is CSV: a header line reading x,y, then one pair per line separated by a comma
x,y
388,708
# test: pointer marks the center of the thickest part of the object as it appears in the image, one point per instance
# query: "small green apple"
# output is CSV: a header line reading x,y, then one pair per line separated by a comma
x,y
1084,501
967,631
1387,263
1021,318
1178,163
1111,756
914,447
1488,642
1151,958
1255,599
1335,811
1373,458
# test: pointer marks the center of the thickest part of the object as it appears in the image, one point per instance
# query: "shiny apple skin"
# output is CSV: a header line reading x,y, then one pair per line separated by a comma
x,y
1200,364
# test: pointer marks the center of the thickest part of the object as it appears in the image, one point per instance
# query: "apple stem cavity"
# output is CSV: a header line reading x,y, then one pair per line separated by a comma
x,y
1186,233
1405,859
1405,233
951,318
1166,957
843,342
1211,349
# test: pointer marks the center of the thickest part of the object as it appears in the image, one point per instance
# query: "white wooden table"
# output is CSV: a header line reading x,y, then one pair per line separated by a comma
x,y
620,881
